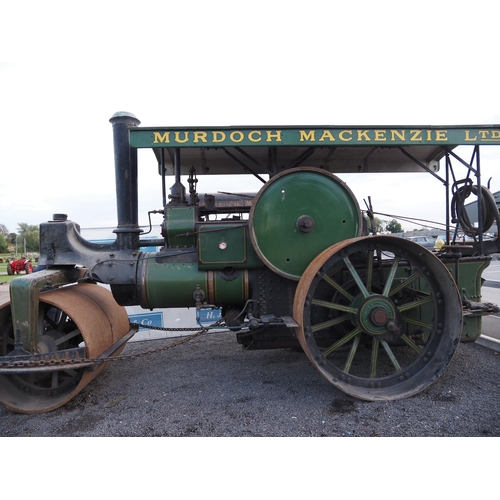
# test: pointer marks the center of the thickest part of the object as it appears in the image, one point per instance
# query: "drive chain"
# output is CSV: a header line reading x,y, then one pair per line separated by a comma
x,y
60,363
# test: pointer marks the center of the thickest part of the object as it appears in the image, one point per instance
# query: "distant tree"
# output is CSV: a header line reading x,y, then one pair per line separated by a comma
x,y
379,225
4,230
394,227
28,238
4,247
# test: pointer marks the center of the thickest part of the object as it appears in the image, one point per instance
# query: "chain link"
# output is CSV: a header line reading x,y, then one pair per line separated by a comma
x,y
32,364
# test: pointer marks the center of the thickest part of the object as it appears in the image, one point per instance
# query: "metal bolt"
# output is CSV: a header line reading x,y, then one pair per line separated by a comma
x,y
305,223
392,327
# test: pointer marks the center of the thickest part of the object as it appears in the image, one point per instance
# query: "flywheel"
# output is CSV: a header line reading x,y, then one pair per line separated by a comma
x,y
70,317
299,213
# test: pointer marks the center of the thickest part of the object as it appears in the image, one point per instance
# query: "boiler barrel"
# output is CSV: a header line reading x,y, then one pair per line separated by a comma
x,y
165,285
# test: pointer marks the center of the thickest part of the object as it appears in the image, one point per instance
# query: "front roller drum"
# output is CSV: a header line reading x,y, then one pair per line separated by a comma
x,y
379,317
70,317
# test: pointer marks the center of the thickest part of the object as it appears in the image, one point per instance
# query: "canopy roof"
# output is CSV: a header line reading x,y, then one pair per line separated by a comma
x,y
338,149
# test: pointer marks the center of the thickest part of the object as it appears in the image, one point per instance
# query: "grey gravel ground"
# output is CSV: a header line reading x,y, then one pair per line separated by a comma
x,y
211,387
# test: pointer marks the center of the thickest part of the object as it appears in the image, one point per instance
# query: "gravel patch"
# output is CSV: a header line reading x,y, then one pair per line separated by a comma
x,y
212,387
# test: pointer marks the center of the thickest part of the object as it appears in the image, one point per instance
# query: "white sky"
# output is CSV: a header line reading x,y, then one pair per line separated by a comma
x,y
229,63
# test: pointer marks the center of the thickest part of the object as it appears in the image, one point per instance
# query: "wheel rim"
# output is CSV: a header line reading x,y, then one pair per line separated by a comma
x,y
78,315
379,317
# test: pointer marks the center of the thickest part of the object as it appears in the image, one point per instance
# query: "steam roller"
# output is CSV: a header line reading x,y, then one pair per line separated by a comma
x,y
82,319
291,266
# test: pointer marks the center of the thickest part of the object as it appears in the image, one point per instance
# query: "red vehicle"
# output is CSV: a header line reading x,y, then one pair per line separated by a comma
x,y
18,266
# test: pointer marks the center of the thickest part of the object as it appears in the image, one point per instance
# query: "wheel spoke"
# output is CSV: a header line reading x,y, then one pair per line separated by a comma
x,y
332,305
390,278
369,271
416,303
50,321
375,344
61,322
389,352
405,283
410,342
330,323
416,322
74,333
55,380
352,352
356,277
337,287
341,342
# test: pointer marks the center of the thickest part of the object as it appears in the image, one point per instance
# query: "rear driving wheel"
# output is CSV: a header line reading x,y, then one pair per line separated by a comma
x,y
379,317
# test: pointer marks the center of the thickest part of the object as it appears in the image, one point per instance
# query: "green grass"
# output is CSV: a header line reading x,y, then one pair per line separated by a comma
x,y
5,279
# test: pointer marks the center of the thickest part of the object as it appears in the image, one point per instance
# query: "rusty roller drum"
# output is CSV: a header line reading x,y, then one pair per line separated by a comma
x,y
71,315
379,317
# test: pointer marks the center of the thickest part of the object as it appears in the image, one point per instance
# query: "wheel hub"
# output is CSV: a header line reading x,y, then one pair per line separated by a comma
x,y
46,344
377,315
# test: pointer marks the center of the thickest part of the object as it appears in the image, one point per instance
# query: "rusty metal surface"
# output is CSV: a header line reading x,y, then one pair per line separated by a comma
x,y
101,323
